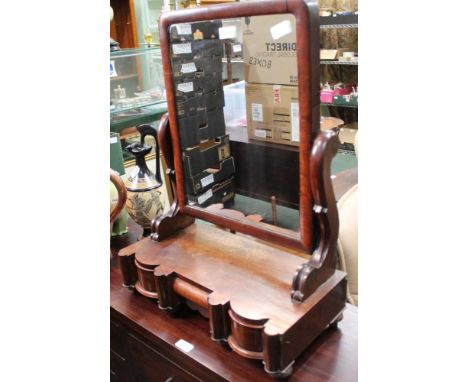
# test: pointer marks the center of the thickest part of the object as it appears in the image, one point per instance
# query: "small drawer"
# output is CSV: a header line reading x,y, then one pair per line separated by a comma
x,y
153,366
118,367
118,337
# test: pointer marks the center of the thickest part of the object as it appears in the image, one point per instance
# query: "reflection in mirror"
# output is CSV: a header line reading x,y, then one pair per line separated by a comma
x,y
237,107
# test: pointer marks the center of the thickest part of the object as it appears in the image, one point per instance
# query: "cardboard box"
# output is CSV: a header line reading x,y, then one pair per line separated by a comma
x,y
200,127
201,82
273,113
196,49
189,67
197,184
190,106
332,54
195,31
222,192
269,44
206,155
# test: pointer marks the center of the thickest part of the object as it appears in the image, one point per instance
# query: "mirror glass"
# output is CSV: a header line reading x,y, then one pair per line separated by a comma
x,y
235,83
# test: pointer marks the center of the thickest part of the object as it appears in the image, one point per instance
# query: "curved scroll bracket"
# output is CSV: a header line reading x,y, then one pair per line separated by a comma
x,y
173,220
321,265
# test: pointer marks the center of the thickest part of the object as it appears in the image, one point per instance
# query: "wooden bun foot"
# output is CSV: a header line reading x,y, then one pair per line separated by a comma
x,y
334,323
281,374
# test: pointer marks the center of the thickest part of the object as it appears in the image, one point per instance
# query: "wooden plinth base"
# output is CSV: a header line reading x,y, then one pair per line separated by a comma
x,y
245,286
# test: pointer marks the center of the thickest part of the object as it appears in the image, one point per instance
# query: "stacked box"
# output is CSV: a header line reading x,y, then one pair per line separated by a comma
x,y
190,106
200,182
272,113
270,72
204,83
206,166
196,58
195,31
196,49
206,155
182,67
222,192
201,127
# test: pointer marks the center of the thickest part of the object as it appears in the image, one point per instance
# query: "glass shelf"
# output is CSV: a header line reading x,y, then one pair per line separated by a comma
x,y
137,116
132,52
124,77
136,80
336,62
135,104
347,21
351,105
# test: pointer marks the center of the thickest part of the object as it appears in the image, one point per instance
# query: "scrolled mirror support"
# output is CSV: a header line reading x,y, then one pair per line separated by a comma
x,y
173,220
321,265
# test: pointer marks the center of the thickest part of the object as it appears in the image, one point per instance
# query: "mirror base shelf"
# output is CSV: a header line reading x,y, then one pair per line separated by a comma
x,y
244,287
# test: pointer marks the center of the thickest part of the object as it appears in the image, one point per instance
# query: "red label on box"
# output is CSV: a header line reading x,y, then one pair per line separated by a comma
x,y
276,94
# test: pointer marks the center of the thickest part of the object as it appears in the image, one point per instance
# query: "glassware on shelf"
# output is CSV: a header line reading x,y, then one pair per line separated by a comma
x,y
136,79
148,38
119,93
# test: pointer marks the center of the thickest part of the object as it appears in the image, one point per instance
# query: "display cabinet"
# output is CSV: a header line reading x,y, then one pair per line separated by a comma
x,y
147,14
339,33
137,92
136,80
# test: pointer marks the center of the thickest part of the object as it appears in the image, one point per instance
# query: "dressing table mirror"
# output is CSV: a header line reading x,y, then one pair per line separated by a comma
x,y
250,238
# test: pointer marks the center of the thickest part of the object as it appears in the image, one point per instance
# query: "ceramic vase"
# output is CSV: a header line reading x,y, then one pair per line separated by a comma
x,y
144,194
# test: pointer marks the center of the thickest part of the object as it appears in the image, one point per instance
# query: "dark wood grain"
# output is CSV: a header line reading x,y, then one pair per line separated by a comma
x,y
172,220
321,265
219,308
242,284
331,357
252,276
132,236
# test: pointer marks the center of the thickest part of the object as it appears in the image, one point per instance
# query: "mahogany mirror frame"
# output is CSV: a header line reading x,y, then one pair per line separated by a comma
x,y
308,65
